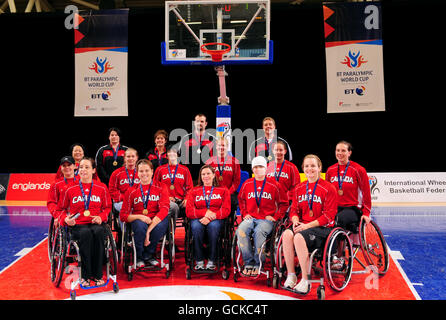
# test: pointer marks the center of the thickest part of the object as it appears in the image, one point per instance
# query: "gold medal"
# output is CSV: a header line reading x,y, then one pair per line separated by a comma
x,y
311,213
270,158
220,178
145,211
172,187
341,192
87,213
115,163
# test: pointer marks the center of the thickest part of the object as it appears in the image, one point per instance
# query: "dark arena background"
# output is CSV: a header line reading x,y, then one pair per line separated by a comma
x,y
37,85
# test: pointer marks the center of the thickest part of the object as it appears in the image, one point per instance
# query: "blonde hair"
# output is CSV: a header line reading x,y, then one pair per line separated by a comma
x,y
270,119
312,156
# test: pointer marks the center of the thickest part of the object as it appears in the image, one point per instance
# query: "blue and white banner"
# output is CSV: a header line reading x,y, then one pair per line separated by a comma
x,y
101,56
354,57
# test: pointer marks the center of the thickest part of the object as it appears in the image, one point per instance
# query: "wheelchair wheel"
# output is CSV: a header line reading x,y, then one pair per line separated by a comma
x,y
128,253
374,247
51,235
338,259
58,256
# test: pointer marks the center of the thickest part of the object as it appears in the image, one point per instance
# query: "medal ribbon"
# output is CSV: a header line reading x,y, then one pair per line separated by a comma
x,y
259,199
145,200
208,202
115,153
220,170
267,147
310,200
341,181
131,181
277,176
172,178
86,201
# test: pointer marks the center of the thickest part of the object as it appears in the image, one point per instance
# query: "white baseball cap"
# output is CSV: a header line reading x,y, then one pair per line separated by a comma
x,y
258,161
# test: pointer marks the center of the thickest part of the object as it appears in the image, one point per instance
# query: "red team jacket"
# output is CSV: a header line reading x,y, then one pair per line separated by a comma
x,y
183,180
220,202
289,177
356,186
54,193
274,201
119,183
158,203
72,202
324,203
231,172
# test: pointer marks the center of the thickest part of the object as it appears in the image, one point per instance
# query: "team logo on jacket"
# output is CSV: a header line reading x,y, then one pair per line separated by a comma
x,y
93,198
347,179
303,197
178,175
152,197
126,181
213,197
265,195
101,66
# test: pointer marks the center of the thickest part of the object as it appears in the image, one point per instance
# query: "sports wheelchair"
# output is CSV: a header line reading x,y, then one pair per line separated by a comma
x,y
335,260
223,250
267,250
65,251
128,251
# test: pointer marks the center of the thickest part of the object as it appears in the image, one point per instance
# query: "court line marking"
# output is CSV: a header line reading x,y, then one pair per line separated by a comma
x,y
404,275
18,259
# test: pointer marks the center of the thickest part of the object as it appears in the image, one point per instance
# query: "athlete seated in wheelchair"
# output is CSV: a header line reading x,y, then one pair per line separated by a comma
x,y
262,204
145,208
84,207
312,217
207,211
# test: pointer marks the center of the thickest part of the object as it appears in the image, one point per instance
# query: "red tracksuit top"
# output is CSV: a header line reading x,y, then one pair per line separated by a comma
x,y
183,180
356,186
324,203
289,177
220,202
72,202
119,183
54,193
158,203
230,172
274,201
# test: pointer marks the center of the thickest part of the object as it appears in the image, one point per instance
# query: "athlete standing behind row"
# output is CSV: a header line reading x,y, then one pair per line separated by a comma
x,y
352,185
110,157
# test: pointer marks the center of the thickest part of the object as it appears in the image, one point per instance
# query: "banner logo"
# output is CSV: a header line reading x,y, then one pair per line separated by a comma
x,y
360,90
353,60
101,66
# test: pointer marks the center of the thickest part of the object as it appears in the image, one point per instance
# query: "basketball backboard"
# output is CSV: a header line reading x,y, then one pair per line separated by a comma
x,y
242,24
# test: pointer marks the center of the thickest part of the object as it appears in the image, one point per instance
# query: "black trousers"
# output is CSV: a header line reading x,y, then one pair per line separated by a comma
x,y
348,218
90,238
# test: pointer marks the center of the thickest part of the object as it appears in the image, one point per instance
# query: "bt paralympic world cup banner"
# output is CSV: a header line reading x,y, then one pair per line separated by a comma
x,y
101,56
354,57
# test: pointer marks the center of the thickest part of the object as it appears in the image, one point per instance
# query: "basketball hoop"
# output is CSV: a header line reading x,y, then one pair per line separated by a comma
x,y
216,55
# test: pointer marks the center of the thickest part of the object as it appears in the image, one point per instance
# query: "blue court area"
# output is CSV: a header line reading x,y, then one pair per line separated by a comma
x,y
416,236
21,228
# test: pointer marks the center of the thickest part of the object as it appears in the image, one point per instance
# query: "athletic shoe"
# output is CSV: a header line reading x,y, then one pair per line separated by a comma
x,y
290,281
199,265
152,262
303,287
140,264
210,265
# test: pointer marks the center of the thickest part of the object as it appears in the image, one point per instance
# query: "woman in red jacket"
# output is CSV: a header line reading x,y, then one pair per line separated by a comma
x,y
146,207
123,178
91,200
207,206
352,185
312,213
